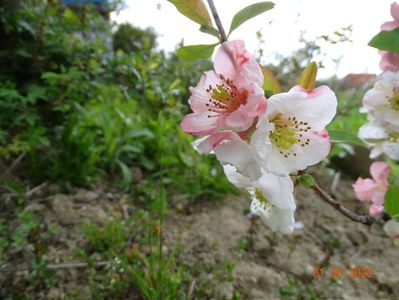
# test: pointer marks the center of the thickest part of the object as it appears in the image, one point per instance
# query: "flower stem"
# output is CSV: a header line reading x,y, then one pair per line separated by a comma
x,y
222,33
364,219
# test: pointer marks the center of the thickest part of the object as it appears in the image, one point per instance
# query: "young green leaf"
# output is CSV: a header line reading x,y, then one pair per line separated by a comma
x,y
307,79
194,52
209,30
306,180
249,12
391,203
386,40
270,82
195,10
341,136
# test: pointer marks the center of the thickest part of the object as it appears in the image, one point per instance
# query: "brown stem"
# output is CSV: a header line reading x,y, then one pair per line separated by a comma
x,y
222,33
364,219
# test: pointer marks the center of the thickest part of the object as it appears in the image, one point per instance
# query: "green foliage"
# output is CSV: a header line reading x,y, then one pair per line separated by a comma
x,y
194,52
391,203
195,10
306,180
386,40
249,12
270,83
341,136
77,112
131,39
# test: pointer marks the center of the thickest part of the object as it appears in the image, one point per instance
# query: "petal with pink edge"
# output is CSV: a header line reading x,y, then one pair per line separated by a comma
x,y
379,170
206,144
199,96
375,210
234,62
200,123
364,189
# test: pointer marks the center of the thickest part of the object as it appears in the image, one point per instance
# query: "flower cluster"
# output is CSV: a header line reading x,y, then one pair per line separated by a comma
x,y
381,104
259,141
381,133
373,190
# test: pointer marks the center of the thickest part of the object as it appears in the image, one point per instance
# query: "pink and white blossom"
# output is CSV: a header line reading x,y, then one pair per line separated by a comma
x,y
372,190
272,195
382,138
291,134
382,101
229,97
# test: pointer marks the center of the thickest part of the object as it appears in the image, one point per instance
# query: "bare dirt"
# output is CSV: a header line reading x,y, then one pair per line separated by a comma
x,y
217,231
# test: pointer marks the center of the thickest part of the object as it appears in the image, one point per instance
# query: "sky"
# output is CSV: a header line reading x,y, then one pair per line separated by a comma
x,y
281,28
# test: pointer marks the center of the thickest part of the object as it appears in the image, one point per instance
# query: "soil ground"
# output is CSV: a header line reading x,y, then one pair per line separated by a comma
x,y
215,231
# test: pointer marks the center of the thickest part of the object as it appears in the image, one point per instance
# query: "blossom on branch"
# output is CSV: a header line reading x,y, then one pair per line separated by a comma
x,y
291,135
229,97
373,189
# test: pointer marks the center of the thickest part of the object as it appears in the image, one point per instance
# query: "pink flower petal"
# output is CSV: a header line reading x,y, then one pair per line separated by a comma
x,y
389,61
234,62
364,189
395,11
388,26
200,123
375,210
207,144
379,170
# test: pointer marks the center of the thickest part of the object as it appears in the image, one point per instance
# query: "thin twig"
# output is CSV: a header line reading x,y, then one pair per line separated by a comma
x,y
364,219
222,33
75,265
12,167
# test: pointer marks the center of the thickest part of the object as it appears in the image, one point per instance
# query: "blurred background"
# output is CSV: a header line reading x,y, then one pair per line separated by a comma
x,y
101,193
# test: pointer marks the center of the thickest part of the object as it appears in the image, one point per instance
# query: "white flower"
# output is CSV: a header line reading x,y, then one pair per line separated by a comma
x,y
382,101
272,195
381,138
271,215
290,136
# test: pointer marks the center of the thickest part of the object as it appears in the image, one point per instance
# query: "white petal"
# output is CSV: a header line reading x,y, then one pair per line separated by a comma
x,y
270,158
278,190
317,108
239,154
373,133
391,149
276,218
235,177
388,115
374,98
392,228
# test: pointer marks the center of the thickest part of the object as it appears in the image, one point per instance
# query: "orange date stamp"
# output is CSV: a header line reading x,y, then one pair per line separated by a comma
x,y
339,272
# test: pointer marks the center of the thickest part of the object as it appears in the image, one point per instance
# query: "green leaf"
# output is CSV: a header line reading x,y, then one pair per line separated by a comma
x,y
195,10
249,12
341,136
391,203
209,30
270,82
193,52
386,40
306,180
126,174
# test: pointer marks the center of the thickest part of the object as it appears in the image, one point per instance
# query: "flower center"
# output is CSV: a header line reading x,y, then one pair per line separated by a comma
x,y
287,133
394,100
225,97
